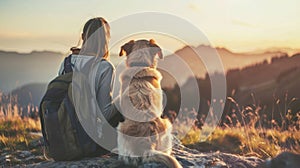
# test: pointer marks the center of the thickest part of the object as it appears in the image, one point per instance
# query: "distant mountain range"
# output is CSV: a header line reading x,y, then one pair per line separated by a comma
x,y
289,51
18,69
24,73
268,89
29,94
194,56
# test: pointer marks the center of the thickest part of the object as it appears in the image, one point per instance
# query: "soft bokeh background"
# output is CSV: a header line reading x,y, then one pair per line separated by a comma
x,y
246,26
237,25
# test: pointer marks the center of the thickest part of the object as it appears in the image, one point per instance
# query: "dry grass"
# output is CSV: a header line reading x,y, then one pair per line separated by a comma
x,y
15,132
246,138
262,143
243,139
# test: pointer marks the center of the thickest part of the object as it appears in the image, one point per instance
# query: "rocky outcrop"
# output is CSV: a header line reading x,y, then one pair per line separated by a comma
x,y
187,157
283,160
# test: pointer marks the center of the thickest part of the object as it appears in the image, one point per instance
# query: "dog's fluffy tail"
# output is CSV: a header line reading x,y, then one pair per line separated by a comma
x,y
157,156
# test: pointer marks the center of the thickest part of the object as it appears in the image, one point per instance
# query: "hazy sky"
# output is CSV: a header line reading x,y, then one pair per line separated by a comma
x,y
239,25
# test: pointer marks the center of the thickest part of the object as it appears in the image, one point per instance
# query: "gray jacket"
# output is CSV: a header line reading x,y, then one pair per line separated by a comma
x,y
103,84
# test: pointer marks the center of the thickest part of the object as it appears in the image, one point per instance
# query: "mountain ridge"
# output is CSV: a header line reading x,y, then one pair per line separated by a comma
x,y
18,69
28,53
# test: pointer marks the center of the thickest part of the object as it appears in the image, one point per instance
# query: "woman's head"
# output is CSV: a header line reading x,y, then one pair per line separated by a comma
x,y
95,36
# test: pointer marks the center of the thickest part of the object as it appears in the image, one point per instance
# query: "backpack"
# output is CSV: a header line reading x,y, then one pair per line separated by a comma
x,y
64,136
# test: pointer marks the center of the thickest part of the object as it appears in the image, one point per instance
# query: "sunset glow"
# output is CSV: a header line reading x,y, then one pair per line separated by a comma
x,y
238,25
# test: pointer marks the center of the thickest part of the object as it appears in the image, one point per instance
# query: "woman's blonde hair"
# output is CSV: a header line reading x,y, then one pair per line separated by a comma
x,y
95,36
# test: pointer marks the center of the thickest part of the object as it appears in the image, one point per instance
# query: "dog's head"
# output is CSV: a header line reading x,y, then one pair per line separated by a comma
x,y
141,53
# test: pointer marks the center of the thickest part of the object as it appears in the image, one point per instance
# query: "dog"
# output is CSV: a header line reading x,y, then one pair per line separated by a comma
x,y
143,136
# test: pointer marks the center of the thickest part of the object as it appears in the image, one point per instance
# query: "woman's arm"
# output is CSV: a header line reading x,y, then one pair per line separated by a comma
x,y
104,89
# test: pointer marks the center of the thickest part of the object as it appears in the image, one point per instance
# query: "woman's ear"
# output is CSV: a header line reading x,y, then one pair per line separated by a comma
x,y
156,49
126,48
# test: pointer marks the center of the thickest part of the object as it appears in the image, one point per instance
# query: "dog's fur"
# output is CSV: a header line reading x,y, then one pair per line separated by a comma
x,y
141,105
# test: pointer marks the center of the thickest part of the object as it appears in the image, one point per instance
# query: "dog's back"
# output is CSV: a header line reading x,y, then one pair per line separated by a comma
x,y
141,93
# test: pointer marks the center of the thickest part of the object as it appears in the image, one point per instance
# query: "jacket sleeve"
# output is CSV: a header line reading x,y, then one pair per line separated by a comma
x,y
104,89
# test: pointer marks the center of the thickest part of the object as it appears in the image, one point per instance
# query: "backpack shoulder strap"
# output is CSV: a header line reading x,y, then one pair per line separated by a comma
x,y
68,64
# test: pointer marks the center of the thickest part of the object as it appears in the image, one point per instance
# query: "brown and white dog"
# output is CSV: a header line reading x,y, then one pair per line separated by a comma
x,y
143,136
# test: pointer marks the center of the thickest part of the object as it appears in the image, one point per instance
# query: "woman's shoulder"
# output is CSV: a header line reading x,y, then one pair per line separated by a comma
x,y
107,64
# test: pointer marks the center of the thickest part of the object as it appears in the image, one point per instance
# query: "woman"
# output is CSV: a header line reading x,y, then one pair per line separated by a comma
x,y
96,44
95,38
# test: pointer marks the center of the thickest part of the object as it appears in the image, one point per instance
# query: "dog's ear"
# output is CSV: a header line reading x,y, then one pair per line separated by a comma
x,y
156,49
126,48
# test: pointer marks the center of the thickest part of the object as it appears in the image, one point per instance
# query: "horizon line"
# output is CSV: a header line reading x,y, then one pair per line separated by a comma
x,y
259,50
